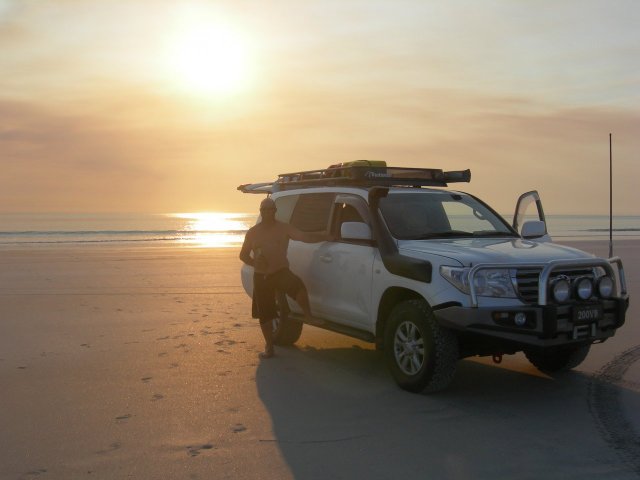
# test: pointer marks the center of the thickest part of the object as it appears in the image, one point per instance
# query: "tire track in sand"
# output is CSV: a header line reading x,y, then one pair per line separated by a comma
x,y
604,391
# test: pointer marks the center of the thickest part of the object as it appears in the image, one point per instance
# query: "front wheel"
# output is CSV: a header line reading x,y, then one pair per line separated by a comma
x,y
286,331
420,353
558,360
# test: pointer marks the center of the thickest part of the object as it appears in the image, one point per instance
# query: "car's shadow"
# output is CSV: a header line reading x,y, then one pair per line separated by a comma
x,y
337,413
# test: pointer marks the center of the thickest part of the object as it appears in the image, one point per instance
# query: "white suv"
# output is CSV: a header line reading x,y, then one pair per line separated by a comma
x,y
432,275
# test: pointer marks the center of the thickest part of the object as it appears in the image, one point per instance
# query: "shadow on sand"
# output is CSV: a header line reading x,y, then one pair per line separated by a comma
x,y
337,414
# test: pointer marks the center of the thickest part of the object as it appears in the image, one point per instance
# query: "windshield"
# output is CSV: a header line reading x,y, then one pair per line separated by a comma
x,y
422,215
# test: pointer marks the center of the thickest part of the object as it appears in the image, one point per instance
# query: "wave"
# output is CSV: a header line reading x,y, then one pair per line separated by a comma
x,y
119,240
614,230
115,236
120,232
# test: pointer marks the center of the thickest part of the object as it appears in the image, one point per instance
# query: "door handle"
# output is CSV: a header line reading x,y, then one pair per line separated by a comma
x,y
326,258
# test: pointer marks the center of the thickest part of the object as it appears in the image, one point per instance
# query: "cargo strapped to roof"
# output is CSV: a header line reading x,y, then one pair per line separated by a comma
x,y
374,174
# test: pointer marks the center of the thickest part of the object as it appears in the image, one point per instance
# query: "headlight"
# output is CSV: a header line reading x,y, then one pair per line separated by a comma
x,y
561,289
456,276
492,282
605,287
584,288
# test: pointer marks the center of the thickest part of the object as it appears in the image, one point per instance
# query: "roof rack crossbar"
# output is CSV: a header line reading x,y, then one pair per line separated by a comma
x,y
360,176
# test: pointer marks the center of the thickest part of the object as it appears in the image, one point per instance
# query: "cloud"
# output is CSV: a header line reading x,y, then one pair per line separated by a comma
x,y
511,144
127,149
53,161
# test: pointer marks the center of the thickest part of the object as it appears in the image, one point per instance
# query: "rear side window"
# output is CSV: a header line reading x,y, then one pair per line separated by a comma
x,y
312,212
285,206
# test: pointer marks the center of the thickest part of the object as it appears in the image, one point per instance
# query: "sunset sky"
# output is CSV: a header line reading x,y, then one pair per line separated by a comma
x,y
167,106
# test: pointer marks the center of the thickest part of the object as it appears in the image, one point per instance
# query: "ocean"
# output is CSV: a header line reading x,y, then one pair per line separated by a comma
x,y
204,229
221,230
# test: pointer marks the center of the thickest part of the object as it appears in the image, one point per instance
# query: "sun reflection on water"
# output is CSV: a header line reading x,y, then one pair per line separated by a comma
x,y
214,229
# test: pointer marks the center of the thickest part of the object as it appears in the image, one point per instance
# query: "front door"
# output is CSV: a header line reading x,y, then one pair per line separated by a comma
x,y
343,269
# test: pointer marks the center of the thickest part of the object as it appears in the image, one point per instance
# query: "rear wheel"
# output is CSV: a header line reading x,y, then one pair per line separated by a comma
x,y
558,360
286,331
420,353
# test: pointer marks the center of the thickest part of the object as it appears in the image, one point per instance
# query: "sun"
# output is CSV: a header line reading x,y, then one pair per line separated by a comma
x,y
210,59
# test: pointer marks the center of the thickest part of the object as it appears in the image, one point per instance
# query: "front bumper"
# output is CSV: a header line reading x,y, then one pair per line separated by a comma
x,y
545,326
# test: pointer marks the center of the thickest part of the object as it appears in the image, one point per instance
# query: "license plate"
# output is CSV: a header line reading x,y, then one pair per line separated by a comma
x,y
587,313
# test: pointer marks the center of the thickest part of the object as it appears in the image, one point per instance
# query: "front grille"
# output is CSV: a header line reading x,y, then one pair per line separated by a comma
x,y
527,280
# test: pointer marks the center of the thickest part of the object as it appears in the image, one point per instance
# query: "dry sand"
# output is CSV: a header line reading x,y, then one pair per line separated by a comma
x,y
122,363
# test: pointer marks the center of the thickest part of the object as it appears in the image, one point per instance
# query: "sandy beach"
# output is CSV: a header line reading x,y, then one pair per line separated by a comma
x,y
143,363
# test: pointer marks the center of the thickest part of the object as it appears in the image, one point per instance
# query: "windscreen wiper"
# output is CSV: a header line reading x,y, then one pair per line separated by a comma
x,y
493,233
447,234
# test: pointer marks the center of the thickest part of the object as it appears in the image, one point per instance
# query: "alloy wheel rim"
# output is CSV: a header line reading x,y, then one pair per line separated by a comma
x,y
408,348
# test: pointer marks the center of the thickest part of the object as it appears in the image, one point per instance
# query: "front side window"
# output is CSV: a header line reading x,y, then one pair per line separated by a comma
x,y
416,216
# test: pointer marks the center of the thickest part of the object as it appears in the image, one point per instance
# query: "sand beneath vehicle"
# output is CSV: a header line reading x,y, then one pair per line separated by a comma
x,y
143,363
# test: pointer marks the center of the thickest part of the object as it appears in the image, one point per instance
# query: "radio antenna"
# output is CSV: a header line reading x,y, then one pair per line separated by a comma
x,y
610,199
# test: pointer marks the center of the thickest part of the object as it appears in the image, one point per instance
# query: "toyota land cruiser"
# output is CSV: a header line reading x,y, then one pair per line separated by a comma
x,y
432,275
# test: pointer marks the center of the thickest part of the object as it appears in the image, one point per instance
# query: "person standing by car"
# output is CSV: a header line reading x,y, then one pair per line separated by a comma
x,y
265,249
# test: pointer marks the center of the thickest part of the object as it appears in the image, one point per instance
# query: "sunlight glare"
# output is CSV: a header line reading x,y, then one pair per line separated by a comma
x,y
214,229
210,59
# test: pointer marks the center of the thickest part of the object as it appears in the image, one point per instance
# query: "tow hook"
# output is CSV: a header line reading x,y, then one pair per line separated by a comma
x,y
497,358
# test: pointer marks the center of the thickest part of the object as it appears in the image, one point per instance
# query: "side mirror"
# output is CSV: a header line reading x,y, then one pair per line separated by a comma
x,y
534,229
355,231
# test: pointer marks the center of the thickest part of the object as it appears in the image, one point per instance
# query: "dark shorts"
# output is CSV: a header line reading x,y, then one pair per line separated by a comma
x,y
265,288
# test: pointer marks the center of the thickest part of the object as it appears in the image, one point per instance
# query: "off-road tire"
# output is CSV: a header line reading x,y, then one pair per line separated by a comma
x,y
286,331
431,365
558,360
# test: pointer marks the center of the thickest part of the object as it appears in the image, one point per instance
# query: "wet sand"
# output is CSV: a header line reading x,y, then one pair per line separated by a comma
x,y
123,363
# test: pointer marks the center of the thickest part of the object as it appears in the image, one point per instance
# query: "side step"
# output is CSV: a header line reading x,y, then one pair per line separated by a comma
x,y
338,328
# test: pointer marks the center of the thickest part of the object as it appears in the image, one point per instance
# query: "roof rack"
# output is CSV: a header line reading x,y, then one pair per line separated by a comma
x,y
373,174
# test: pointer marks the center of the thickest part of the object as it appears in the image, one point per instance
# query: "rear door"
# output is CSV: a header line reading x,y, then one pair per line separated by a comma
x,y
308,212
